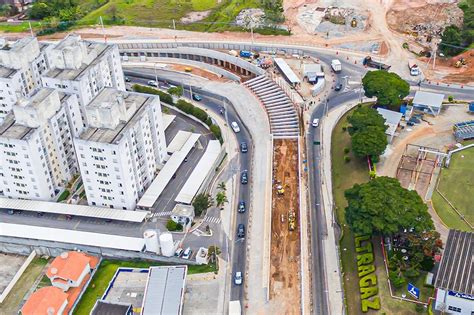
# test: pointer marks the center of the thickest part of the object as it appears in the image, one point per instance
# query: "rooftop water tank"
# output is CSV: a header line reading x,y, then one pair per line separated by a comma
x,y
167,245
151,241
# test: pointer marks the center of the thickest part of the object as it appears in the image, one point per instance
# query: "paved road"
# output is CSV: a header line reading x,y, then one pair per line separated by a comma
x,y
236,248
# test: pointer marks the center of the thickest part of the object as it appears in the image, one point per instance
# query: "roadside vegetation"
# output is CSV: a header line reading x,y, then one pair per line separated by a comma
x,y
455,40
106,271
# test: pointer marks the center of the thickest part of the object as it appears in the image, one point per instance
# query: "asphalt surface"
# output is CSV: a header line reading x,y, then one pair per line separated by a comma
x,y
236,246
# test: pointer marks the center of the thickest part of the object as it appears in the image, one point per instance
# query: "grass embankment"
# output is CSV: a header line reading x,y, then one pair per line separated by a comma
x,y
106,271
14,299
454,183
344,176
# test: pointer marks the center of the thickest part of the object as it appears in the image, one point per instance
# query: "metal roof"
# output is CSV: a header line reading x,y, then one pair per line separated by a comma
x,y
456,271
72,236
164,176
108,308
164,290
76,210
286,70
428,99
200,172
392,119
178,141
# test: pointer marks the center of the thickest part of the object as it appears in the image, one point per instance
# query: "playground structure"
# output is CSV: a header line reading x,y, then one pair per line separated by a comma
x,y
417,166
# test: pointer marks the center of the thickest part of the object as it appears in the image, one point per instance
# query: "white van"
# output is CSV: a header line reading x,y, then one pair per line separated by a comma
x,y
315,122
235,127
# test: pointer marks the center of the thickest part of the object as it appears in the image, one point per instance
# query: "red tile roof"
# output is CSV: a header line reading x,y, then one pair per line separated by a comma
x,y
69,265
44,300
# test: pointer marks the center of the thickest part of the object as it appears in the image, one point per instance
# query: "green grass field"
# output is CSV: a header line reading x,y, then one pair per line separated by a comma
x,y
106,271
344,176
13,300
455,183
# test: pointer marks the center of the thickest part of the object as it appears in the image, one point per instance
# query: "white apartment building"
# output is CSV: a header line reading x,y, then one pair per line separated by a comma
x,y
83,68
122,148
36,146
21,66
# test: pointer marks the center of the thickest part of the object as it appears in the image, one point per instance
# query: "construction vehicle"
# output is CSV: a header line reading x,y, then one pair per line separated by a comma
x,y
461,62
414,69
336,65
374,64
280,190
291,220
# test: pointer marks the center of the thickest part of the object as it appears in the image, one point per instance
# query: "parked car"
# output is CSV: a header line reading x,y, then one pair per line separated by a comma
x,y
179,252
197,97
244,179
187,253
235,126
11,212
238,278
241,206
241,231
243,147
152,83
315,123
127,79
338,87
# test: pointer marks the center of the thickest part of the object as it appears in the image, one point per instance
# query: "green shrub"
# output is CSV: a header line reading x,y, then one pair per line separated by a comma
x,y
173,226
396,281
208,121
411,273
420,308
346,150
450,98
164,97
199,114
427,263
64,195
185,106
216,131
347,159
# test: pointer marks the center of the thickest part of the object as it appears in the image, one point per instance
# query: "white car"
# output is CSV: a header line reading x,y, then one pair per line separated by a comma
x,y
238,278
235,127
315,122
187,253
152,83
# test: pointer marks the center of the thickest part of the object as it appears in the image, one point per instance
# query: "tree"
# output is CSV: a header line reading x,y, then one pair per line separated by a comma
x,y
173,226
221,198
213,252
221,186
40,10
176,91
363,117
383,206
202,202
451,37
369,142
388,87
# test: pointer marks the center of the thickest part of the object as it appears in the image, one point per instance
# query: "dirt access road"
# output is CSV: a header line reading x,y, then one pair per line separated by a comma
x,y
285,287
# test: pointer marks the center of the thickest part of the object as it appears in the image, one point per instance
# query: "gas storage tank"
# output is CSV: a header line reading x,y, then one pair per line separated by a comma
x,y
151,241
167,245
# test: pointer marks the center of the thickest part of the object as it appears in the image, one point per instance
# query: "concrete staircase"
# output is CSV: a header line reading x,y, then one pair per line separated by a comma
x,y
280,109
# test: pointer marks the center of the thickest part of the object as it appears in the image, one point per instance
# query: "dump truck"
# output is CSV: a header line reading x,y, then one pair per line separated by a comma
x,y
414,69
374,64
336,65
291,220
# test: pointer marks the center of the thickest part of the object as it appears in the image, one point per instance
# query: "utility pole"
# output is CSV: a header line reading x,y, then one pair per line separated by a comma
x,y
174,24
156,75
103,30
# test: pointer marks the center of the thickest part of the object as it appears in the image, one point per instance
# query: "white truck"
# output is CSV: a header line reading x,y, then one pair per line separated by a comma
x,y
414,69
235,308
336,66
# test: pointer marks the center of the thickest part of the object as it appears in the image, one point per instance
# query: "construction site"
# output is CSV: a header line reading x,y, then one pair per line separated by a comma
x,y
416,167
285,286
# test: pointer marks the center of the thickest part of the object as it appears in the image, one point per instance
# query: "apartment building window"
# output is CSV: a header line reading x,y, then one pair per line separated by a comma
x,y
454,309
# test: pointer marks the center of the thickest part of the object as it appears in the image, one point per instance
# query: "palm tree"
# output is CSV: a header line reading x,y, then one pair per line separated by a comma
x,y
221,199
221,186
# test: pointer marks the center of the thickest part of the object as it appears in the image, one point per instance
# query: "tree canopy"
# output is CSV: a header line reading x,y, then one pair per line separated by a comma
x,y
388,87
371,141
384,206
367,132
202,202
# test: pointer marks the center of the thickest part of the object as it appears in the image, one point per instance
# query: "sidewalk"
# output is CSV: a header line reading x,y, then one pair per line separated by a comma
x,y
330,243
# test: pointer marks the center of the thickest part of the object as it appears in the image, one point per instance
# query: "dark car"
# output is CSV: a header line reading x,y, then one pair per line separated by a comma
x,y
241,206
338,87
241,231
197,97
244,178
243,147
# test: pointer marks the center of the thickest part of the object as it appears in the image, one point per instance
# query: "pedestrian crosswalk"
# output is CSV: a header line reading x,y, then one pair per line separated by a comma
x,y
161,214
198,232
212,219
